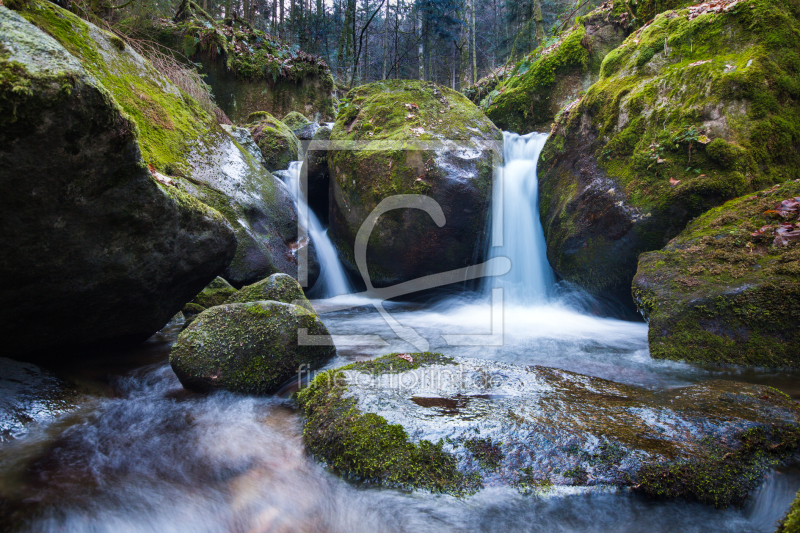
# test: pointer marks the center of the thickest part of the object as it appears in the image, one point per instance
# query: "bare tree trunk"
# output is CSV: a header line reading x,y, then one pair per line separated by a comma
x,y
463,47
385,41
539,21
420,49
474,72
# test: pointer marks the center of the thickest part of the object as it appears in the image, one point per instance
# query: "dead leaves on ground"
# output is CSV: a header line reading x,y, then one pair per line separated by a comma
x,y
787,232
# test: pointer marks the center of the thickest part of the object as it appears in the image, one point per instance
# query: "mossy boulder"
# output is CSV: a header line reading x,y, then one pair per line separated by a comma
x,y
425,140
251,347
249,70
278,145
450,424
691,111
215,293
98,249
295,121
315,169
542,83
277,287
717,294
791,522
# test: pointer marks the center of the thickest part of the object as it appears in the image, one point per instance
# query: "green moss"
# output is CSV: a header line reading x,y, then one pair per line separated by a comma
x,y
717,294
488,453
791,522
726,474
279,146
278,287
295,120
705,102
215,293
167,123
367,448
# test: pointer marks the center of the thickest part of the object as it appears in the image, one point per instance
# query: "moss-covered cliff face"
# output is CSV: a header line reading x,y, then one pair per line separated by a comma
x,y
718,294
552,76
398,118
692,110
97,248
249,70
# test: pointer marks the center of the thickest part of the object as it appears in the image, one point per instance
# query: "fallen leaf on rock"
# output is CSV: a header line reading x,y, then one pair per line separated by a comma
x,y
786,235
673,182
696,63
762,232
406,357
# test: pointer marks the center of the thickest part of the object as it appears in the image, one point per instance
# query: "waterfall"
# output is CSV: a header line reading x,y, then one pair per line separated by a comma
x,y
516,228
332,280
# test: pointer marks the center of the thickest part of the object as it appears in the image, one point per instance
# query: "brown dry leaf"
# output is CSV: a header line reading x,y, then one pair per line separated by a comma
x,y
673,182
406,357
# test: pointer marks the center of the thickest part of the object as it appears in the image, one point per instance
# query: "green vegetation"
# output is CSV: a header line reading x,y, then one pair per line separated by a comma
x,y
363,446
719,294
279,146
688,112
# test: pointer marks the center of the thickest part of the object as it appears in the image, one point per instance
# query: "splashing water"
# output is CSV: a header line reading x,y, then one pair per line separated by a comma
x,y
332,280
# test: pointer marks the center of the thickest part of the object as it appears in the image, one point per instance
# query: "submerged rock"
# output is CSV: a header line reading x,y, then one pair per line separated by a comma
x,y
29,394
450,424
96,248
718,294
540,85
691,110
250,347
428,140
277,287
277,144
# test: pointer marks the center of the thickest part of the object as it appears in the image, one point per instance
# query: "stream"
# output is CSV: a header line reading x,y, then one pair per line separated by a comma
x,y
141,454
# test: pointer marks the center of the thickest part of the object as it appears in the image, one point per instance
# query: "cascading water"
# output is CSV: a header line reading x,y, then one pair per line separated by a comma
x,y
332,280
515,207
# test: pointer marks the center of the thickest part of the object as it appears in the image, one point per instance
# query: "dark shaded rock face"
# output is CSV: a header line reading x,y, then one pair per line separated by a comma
x,y
315,168
716,294
277,287
29,394
456,425
249,347
95,248
668,132
404,115
541,84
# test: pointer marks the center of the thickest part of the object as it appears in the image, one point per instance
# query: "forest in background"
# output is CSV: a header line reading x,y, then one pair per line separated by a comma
x,y
451,42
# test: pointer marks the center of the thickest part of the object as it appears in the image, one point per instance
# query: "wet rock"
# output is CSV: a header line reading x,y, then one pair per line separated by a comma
x,y
718,294
249,347
215,293
670,130
541,84
277,144
29,394
97,249
315,168
258,205
451,424
277,287
432,142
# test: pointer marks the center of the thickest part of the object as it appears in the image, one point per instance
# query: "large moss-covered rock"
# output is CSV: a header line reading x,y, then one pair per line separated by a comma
x,y
97,248
277,287
667,133
249,70
402,116
427,421
278,145
550,77
716,294
315,170
249,347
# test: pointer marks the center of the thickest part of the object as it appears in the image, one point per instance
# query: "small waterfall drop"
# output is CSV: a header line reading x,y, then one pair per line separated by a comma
x,y
332,279
516,228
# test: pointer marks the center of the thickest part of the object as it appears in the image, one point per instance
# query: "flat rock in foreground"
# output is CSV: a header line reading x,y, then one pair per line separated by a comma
x,y
456,425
